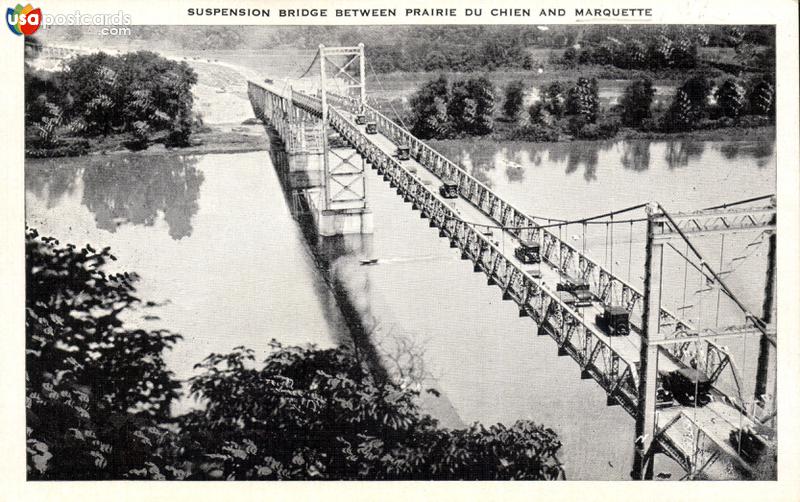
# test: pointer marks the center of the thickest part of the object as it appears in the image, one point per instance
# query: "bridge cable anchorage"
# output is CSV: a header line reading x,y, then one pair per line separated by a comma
x,y
757,322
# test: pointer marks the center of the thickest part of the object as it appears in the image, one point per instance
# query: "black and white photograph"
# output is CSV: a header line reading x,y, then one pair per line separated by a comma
x,y
407,252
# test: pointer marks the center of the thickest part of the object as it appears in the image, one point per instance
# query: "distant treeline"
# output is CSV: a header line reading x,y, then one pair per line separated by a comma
x,y
571,109
469,47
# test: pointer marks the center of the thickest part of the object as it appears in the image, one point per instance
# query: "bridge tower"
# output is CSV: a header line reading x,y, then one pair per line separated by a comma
x,y
344,199
661,228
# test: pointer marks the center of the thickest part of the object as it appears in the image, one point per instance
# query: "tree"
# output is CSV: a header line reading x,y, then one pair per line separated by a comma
x,y
635,54
697,90
471,106
636,102
96,389
140,93
435,61
514,96
684,53
730,98
98,394
689,105
762,98
680,116
553,99
429,109
307,413
583,99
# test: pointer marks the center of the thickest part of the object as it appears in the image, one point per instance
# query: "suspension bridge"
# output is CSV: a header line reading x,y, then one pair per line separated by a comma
x,y
332,134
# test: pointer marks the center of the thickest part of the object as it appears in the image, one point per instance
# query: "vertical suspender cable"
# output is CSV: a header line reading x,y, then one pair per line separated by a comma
x,y
630,251
719,289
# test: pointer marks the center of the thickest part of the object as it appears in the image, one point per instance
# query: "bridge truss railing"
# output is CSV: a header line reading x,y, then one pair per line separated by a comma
x,y
299,136
559,253
707,355
574,335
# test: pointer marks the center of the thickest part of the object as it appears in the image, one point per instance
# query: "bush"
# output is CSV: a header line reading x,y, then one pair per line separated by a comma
x,y
605,129
538,132
553,98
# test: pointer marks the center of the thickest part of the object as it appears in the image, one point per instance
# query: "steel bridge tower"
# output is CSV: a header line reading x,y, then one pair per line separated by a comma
x,y
344,184
661,228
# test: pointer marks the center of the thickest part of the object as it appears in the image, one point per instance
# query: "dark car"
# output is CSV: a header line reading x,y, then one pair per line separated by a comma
x,y
614,321
664,397
528,252
748,442
372,128
361,119
579,288
689,386
566,297
449,189
403,152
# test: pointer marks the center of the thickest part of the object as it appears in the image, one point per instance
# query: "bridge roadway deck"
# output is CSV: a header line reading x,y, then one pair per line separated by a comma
x,y
716,420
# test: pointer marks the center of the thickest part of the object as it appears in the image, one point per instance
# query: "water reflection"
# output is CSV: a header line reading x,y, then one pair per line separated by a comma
x,y
760,150
587,157
52,181
681,153
515,172
636,155
121,190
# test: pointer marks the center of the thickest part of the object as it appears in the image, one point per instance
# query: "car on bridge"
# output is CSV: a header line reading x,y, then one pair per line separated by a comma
x,y
528,252
749,442
566,297
372,128
361,119
449,189
579,288
690,386
614,320
536,273
664,398
403,152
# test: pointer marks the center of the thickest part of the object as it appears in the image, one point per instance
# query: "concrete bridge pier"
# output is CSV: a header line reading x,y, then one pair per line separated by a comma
x,y
331,222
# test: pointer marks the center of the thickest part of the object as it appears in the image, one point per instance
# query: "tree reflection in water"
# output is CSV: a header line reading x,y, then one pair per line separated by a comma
x,y
680,153
50,178
759,150
480,157
121,190
635,155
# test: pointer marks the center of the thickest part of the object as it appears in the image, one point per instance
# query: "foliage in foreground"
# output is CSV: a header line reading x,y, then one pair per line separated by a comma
x,y
98,396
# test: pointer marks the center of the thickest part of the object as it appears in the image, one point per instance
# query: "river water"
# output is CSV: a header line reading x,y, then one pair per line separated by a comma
x,y
213,235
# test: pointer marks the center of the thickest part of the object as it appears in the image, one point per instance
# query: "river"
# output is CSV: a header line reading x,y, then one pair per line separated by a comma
x,y
213,236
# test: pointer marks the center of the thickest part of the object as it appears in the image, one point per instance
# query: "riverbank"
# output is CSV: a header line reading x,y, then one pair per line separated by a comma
x,y
231,139
510,132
